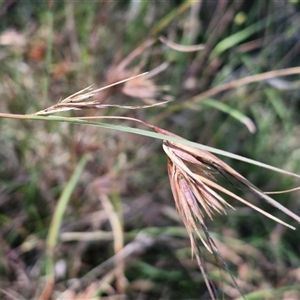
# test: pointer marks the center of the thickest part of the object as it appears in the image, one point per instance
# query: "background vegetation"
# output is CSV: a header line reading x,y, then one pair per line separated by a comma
x,y
119,198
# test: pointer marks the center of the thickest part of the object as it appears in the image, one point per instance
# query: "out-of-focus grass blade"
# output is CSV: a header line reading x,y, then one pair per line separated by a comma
x,y
283,85
230,111
242,35
179,47
166,20
278,104
59,213
276,293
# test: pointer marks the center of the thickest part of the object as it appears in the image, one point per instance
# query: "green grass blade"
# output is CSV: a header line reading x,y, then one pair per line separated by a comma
x,y
275,293
166,20
231,112
242,35
161,137
59,213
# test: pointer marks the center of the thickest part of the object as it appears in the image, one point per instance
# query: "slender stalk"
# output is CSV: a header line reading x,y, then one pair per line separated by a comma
x,y
60,209
88,121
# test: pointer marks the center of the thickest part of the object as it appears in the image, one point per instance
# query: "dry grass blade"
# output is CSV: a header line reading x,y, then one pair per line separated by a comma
x,y
243,81
117,228
11,296
138,51
181,48
282,192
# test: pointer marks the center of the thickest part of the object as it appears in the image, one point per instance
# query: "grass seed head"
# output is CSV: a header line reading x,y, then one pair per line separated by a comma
x,y
191,172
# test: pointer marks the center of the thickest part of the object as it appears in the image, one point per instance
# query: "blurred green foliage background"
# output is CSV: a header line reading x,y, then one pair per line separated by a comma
x,y
51,49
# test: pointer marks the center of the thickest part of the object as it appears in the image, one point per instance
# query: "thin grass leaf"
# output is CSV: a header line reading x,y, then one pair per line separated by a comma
x,y
243,81
167,19
161,136
55,225
231,112
60,211
272,293
283,192
181,48
242,35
